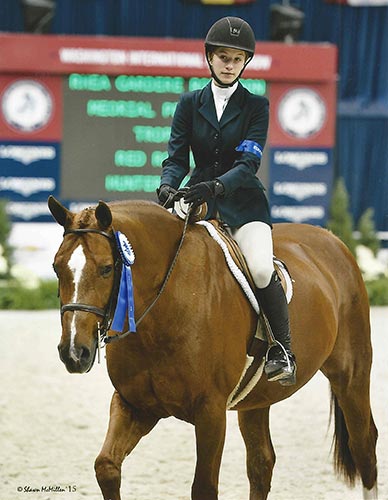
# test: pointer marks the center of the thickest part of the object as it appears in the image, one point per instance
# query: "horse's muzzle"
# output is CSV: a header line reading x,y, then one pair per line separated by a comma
x,y
77,359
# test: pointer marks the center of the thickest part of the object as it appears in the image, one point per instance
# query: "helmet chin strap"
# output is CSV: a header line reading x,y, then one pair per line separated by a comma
x,y
222,84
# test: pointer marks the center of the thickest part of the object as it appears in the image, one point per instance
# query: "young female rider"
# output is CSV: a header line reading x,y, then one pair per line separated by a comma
x,y
226,126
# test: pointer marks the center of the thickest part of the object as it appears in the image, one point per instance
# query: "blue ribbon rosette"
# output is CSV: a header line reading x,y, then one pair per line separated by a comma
x,y
125,301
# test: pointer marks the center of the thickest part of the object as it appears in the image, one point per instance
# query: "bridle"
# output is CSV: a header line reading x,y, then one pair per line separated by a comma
x,y
107,313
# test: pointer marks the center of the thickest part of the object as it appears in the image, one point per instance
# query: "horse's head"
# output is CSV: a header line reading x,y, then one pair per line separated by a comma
x,y
85,266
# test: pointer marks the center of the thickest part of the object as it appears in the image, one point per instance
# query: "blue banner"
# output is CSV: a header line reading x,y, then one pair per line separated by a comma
x,y
301,184
29,171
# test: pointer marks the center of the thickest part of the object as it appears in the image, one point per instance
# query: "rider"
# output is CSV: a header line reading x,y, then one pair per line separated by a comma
x,y
225,126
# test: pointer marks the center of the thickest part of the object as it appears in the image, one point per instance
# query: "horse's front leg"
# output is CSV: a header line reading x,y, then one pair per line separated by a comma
x,y
126,428
210,426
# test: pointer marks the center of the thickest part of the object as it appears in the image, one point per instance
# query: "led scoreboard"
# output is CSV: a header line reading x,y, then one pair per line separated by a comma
x,y
116,130
89,118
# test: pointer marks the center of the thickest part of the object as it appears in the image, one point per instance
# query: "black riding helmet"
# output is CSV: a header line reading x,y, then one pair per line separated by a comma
x,y
233,33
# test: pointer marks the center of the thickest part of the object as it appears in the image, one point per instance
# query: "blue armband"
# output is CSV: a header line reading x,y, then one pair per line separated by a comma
x,y
250,147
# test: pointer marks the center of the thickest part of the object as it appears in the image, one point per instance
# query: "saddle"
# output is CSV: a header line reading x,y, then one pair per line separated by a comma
x,y
240,261
234,249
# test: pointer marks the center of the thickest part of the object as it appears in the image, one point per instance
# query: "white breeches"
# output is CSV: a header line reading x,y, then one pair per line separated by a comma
x,y
255,242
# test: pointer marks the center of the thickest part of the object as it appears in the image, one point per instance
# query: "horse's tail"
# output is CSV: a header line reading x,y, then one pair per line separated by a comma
x,y
343,461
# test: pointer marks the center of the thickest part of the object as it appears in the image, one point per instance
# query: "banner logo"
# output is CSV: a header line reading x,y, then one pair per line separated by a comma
x,y
27,105
27,154
302,113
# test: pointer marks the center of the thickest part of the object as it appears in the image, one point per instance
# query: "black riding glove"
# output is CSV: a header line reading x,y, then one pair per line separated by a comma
x,y
166,195
203,192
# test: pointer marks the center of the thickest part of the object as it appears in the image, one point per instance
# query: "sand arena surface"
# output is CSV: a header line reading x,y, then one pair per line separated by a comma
x,y
52,426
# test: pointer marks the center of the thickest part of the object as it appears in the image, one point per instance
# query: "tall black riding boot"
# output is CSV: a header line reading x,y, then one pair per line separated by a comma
x,y
280,364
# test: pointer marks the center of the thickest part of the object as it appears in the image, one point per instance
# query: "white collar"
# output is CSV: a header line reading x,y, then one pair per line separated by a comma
x,y
221,97
223,92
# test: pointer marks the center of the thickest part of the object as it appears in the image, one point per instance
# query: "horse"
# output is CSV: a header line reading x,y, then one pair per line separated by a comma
x,y
194,325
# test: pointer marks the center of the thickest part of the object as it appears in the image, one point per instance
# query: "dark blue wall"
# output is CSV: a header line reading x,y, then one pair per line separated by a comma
x,y
360,33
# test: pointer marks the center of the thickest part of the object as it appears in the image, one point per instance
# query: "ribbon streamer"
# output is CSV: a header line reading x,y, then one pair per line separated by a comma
x,y
125,301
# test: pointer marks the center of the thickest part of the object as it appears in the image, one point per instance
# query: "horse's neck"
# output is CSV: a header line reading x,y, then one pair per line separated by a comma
x,y
154,235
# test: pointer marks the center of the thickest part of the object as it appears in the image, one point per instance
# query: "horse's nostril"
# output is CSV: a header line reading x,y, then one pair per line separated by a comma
x,y
61,350
84,354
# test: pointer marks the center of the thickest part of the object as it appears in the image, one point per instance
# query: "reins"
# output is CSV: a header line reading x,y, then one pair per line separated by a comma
x,y
106,313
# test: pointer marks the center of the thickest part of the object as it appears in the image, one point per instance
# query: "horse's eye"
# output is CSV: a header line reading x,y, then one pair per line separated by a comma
x,y
106,270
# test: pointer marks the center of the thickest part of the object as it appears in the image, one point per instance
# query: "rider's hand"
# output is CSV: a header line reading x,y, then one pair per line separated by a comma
x,y
166,195
203,192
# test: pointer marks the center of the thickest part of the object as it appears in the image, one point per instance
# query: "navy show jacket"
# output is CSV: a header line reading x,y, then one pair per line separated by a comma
x,y
213,145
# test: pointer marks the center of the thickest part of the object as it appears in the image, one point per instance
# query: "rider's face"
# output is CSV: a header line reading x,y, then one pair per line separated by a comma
x,y
227,63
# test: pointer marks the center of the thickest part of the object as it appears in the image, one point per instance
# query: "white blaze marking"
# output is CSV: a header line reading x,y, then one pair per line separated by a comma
x,y
76,264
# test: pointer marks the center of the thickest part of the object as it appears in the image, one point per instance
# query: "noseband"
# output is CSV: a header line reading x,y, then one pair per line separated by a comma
x,y
106,313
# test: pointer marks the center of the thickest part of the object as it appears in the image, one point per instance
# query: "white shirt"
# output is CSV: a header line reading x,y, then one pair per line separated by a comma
x,y
221,97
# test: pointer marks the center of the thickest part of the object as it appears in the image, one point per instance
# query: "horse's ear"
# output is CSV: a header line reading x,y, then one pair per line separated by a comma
x,y
103,214
60,213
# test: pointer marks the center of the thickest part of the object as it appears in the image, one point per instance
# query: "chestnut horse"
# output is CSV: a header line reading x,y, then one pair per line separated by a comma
x,y
190,347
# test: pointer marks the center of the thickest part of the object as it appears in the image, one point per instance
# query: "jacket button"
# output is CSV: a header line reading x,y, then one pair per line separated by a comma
x,y
216,136
217,151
